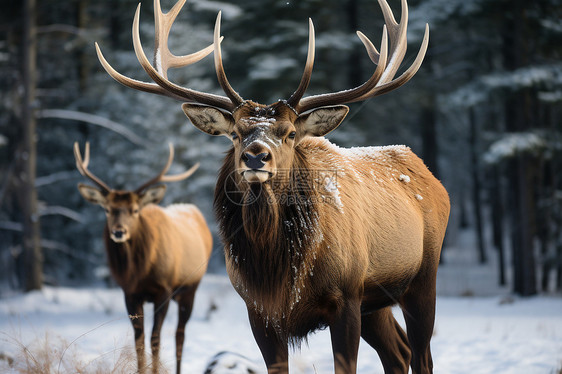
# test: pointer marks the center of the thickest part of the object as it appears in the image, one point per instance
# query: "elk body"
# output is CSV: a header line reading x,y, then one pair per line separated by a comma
x,y
155,254
316,235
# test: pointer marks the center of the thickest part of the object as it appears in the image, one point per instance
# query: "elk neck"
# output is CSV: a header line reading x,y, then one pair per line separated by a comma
x,y
270,231
131,259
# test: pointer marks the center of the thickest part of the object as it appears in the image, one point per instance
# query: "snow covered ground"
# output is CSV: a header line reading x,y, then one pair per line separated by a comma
x,y
472,334
489,331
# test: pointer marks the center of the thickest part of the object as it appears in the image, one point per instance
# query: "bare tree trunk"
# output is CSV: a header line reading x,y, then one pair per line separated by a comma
x,y
518,118
354,59
33,274
83,58
524,277
476,186
497,220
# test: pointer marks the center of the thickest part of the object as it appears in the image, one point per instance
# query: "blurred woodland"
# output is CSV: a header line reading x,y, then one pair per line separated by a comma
x,y
484,112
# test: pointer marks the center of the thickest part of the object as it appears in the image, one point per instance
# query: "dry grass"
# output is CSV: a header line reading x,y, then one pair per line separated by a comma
x,y
50,355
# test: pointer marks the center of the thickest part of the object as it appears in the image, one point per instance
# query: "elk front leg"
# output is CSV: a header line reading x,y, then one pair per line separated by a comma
x,y
345,332
160,309
134,308
274,350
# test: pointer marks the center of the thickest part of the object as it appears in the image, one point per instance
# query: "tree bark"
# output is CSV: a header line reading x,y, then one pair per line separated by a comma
x,y
522,226
497,221
476,186
354,59
520,173
33,274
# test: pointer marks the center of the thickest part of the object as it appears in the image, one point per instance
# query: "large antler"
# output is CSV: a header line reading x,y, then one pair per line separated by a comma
x,y
82,166
161,177
382,79
164,59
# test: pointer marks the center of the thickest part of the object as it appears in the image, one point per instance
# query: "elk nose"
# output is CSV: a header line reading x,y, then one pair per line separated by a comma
x,y
255,161
118,234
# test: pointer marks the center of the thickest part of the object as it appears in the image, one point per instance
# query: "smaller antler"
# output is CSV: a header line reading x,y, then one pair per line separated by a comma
x,y
82,166
161,177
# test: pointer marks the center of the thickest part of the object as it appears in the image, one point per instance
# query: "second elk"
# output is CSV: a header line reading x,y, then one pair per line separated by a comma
x,y
155,254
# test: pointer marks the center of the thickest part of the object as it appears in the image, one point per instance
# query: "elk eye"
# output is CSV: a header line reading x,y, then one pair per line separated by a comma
x,y
234,135
135,211
106,210
292,134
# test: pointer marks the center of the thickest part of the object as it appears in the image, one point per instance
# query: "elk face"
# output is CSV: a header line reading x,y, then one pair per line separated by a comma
x,y
122,208
264,137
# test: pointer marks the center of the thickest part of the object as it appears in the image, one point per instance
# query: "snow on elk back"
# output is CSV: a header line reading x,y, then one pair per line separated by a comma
x,y
316,235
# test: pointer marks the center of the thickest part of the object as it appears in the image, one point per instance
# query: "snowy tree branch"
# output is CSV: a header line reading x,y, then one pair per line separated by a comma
x,y
62,211
94,120
11,226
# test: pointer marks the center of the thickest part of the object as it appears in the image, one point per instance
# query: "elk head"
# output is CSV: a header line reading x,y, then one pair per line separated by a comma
x,y
122,207
265,136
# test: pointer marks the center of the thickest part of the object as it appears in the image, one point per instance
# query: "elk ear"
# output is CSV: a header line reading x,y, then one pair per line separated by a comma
x,y
92,194
152,195
320,121
209,119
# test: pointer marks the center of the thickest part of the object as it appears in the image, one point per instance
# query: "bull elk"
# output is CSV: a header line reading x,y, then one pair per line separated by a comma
x,y
316,235
155,254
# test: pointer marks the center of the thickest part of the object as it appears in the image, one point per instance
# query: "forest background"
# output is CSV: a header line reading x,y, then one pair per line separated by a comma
x,y
484,112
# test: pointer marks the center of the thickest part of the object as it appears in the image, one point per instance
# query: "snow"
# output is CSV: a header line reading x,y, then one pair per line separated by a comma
x,y
368,153
404,178
480,90
512,144
496,334
158,61
228,10
331,186
269,67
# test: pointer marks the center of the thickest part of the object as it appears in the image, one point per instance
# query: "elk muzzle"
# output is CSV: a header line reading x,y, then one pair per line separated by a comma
x,y
119,234
257,168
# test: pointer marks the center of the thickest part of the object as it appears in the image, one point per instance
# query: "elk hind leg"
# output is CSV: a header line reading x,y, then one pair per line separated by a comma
x,y
160,309
381,331
185,306
418,307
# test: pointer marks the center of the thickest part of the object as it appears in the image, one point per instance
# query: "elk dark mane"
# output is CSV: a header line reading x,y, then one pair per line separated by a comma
x,y
268,228
127,259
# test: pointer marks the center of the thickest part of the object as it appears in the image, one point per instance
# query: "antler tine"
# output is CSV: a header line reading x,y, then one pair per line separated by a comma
x,y
381,81
406,76
161,177
182,176
398,41
184,93
349,95
221,75
133,83
307,74
163,58
82,166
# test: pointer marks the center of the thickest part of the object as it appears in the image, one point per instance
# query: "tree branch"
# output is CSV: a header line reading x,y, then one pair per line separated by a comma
x,y
94,120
